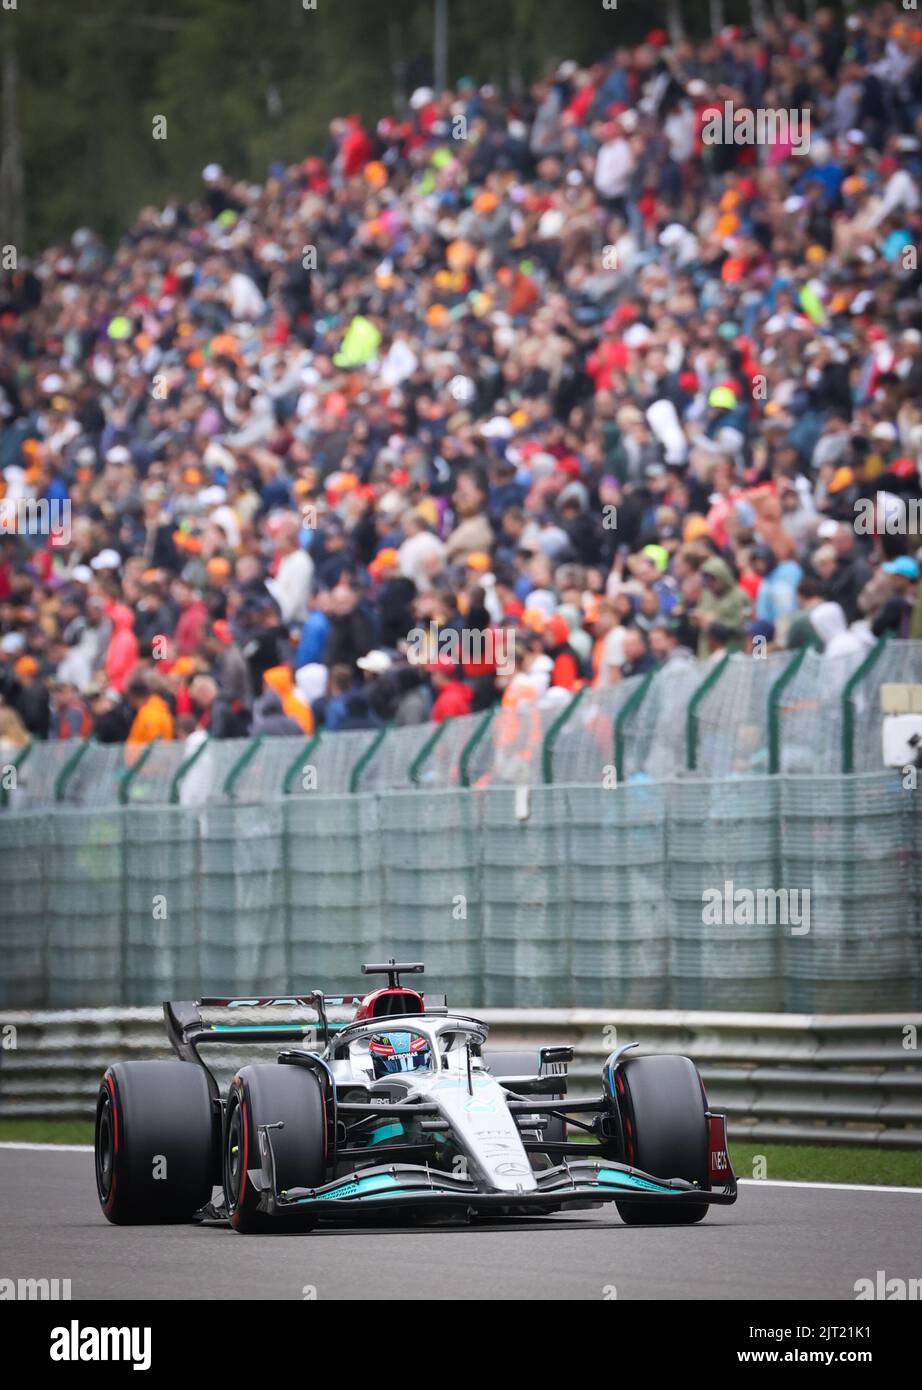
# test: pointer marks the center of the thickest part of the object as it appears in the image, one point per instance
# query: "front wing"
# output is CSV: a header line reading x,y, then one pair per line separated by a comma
x,y
388,1186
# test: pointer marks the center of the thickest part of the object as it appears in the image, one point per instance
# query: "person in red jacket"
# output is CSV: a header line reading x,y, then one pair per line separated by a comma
x,y
192,620
565,672
356,149
124,650
452,696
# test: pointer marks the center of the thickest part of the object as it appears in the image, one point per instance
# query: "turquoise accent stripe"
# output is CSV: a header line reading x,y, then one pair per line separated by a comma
x,y
610,1178
391,1131
359,1187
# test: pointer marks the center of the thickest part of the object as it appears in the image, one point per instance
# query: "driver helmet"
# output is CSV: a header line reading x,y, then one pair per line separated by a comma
x,y
395,1052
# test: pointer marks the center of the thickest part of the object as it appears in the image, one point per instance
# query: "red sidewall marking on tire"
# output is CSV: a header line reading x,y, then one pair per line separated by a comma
x,y
110,1085
235,1215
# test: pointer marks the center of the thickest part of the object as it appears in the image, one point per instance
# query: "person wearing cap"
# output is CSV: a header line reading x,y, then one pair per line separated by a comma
x,y
895,615
221,649
649,569
374,663
393,597
403,695
396,691
28,696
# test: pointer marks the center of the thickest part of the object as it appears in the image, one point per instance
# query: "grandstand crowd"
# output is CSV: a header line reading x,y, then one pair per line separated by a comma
x,y
554,365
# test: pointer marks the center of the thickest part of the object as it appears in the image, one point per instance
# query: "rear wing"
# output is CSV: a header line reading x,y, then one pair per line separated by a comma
x,y
264,1018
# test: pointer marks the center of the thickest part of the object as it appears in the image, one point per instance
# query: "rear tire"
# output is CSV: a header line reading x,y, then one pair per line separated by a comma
x,y
157,1142
261,1095
666,1134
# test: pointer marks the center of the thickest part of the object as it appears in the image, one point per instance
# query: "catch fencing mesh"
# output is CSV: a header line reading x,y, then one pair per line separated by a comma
x,y
636,896
732,716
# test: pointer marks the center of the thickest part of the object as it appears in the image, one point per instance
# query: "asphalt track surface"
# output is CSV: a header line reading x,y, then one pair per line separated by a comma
x,y
777,1242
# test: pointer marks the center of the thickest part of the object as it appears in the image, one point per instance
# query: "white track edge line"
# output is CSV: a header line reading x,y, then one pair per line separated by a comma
x,y
827,1186
46,1148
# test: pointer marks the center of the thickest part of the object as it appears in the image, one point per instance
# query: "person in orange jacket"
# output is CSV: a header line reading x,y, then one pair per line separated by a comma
x,y
281,680
153,717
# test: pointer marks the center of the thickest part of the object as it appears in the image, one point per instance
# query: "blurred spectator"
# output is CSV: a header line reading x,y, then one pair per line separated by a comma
x,y
587,384
153,717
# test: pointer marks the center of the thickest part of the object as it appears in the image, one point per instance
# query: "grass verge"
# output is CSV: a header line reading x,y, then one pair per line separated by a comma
x,y
828,1163
30,1131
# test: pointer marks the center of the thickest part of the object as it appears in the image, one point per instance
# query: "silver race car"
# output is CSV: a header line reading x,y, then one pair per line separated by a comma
x,y
394,1103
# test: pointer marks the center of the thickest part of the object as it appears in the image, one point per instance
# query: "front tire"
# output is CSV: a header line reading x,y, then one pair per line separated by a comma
x,y
156,1144
265,1095
666,1134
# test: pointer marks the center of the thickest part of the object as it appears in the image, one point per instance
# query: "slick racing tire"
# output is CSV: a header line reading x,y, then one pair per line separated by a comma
x,y
526,1064
157,1142
666,1134
265,1095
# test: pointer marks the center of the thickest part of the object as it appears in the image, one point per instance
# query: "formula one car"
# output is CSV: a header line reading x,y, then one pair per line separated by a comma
x,y
397,1105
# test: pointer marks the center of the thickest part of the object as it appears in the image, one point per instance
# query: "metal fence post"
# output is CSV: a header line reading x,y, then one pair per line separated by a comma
x,y
848,709
69,768
246,757
127,777
464,762
774,699
186,766
631,705
366,756
550,738
299,762
414,771
15,764
691,716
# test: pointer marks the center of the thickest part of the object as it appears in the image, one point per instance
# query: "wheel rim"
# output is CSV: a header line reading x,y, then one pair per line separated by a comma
x,y
105,1148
